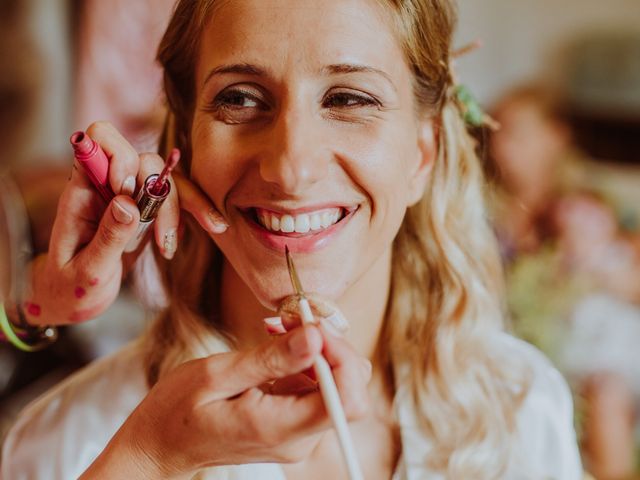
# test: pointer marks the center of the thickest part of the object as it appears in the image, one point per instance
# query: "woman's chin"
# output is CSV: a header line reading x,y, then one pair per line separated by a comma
x,y
271,291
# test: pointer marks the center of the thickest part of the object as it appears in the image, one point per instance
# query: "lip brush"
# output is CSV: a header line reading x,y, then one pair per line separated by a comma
x,y
170,164
327,384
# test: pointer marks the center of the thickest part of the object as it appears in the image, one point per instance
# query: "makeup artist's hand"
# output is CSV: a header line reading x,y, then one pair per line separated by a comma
x,y
217,411
81,274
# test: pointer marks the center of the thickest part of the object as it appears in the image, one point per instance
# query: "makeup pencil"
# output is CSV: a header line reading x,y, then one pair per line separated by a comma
x,y
327,383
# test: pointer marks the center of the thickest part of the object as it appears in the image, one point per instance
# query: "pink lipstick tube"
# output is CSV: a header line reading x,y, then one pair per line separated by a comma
x,y
93,161
148,204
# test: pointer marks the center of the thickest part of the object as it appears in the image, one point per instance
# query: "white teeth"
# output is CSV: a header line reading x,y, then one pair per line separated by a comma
x,y
314,222
302,223
326,219
287,224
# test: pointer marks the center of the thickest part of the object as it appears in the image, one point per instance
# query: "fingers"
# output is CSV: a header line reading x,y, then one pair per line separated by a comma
x,y
77,217
168,218
123,159
118,225
127,169
289,312
194,201
306,413
287,355
351,371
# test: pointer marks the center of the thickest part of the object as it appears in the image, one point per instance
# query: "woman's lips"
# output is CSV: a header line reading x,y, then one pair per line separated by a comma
x,y
308,242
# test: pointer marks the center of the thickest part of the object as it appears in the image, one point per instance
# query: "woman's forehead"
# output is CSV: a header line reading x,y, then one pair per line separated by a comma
x,y
303,33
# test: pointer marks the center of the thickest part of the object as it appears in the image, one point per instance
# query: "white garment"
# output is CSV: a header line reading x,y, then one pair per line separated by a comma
x,y
60,434
603,337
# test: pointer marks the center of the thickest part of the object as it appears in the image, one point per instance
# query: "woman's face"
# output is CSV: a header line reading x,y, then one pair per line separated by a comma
x,y
528,146
305,135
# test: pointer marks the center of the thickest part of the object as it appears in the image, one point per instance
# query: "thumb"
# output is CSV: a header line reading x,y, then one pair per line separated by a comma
x,y
283,356
118,225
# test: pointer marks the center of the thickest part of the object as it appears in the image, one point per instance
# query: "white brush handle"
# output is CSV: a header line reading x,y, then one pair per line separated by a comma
x,y
332,402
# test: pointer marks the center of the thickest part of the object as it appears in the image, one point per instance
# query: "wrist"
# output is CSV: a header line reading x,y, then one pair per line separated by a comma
x,y
122,458
23,336
127,456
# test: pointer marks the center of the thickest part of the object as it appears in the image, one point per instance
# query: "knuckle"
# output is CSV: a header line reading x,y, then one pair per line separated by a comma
x,y
171,208
125,159
269,437
254,427
269,360
210,372
297,451
356,406
98,127
150,161
109,235
85,273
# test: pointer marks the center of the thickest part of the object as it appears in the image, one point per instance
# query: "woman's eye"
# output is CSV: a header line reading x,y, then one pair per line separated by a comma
x,y
238,99
348,100
236,105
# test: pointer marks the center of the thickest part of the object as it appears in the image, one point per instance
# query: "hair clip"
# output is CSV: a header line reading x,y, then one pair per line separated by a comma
x,y
470,108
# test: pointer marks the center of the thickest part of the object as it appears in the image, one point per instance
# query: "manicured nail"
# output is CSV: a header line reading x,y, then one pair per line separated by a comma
x,y
298,343
217,222
128,186
337,320
170,243
120,213
274,325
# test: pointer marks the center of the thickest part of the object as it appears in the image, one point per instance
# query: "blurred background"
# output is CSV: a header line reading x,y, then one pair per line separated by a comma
x,y
562,80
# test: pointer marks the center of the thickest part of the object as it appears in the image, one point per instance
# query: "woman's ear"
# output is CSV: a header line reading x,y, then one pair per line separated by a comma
x,y
423,162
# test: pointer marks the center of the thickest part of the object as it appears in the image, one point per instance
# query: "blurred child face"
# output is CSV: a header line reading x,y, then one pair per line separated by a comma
x,y
582,221
305,135
528,146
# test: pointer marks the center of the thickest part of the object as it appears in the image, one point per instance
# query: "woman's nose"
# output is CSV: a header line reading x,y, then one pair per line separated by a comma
x,y
295,158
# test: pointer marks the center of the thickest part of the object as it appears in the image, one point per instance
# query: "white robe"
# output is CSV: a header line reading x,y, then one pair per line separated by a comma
x,y
60,434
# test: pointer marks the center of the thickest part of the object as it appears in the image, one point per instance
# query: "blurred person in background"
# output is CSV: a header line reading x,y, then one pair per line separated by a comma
x,y
533,161
573,281
600,352
115,78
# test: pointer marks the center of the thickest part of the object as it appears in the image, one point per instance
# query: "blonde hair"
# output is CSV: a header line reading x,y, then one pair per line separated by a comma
x,y
444,308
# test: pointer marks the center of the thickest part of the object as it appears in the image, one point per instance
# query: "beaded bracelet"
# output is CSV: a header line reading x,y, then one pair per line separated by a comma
x,y
30,339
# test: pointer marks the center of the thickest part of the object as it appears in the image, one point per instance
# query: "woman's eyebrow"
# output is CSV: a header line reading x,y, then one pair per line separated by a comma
x,y
335,69
237,68
342,68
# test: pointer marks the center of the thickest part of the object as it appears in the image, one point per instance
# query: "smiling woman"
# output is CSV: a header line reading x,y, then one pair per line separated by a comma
x,y
330,129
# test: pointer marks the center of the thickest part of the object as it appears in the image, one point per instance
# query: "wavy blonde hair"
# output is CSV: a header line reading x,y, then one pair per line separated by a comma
x,y
445,301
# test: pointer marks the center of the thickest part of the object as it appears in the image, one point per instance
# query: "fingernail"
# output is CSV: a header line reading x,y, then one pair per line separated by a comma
x,y
298,343
218,223
128,186
120,213
170,244
337,320
331,328
274,325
